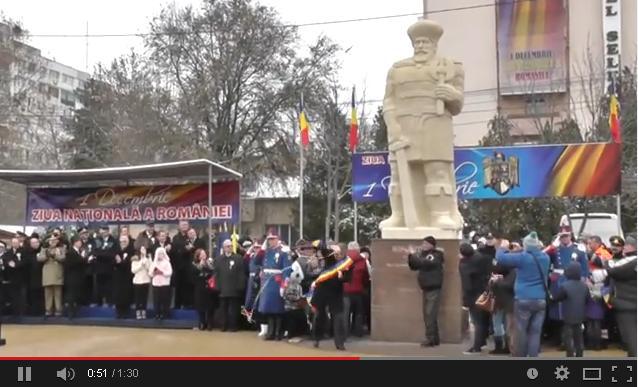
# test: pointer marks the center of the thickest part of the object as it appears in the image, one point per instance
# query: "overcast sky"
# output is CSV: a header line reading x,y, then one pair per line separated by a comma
x,y
375,44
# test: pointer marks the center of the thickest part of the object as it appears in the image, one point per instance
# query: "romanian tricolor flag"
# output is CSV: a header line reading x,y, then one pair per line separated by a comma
x,y
333,271
354,124
614,118
304,127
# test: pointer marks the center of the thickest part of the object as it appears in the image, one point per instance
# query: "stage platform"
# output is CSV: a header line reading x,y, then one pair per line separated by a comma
x,y
105,317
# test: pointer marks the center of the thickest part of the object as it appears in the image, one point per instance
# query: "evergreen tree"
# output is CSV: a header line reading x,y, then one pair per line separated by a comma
x,y
90,130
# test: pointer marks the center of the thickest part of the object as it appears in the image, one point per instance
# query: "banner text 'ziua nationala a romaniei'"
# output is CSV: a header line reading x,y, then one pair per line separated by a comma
x,y
133,204
512,172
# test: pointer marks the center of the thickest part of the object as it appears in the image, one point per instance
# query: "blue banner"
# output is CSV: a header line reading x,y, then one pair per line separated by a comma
x,y
513,172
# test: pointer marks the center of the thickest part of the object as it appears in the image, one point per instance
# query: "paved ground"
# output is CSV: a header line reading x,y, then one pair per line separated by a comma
x,y
39,340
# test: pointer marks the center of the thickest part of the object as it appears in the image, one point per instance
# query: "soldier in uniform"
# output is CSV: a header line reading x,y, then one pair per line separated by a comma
x,y
422,94
270,303
562,253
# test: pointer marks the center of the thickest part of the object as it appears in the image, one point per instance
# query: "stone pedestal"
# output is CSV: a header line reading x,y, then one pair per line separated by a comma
x,y
396,296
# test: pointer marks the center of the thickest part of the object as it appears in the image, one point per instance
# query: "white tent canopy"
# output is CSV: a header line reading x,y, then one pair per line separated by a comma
x,y
192,170
180,172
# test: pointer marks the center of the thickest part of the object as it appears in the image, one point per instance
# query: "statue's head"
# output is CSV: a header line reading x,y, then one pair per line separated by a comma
x,y
425,35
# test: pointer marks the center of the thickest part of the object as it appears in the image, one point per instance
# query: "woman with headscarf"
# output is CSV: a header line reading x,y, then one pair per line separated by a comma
x,y
161,271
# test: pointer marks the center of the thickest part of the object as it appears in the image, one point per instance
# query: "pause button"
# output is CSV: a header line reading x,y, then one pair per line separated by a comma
x,y
24,374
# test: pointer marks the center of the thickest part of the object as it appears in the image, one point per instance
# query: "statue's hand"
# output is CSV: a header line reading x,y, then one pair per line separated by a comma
x,y
446,92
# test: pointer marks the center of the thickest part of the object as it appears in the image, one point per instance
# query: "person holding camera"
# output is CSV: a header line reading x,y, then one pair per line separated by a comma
x,y
428,261
474,269
530,292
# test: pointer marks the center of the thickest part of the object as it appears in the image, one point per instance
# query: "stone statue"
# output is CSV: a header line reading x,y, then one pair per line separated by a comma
x,y
422,94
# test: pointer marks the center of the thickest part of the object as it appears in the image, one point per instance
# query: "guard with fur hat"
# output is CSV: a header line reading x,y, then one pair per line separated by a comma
x,y
270,303
562,253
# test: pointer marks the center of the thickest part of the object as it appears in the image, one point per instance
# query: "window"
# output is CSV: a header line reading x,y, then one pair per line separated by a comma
x,y
67,98
42,87
535,105
54,92
54,76
67,79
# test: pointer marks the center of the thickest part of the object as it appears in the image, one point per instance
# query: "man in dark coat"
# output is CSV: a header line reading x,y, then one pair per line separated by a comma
x,y
15,277
74,272
622,273
87,295
123,277
162,240
231,281
475,269
184,245
33,268
147,237
103,259
428,261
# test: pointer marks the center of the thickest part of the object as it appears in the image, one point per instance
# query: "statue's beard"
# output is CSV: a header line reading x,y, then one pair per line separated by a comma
x,y
421,56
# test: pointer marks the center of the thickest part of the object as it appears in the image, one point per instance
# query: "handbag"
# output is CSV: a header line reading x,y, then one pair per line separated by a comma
x,y
549,298
485,301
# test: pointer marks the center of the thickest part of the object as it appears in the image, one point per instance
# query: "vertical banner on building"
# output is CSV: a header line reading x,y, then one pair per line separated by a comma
x,y
611,37
532,39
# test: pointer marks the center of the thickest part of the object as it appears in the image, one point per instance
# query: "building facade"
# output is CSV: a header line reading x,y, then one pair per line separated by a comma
x,y
37,95
534,62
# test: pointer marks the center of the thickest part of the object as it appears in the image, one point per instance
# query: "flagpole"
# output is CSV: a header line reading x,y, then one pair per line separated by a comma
x,y
618,212
301,180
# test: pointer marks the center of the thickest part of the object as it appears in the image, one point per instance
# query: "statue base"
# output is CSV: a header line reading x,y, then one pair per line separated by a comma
x,y
419,233
397,299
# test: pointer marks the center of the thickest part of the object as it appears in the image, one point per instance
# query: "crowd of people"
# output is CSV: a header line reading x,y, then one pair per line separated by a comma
x,y
513,290
285,292
518,290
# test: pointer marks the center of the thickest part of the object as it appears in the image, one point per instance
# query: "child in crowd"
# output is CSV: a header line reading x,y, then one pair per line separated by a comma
x,y
574,295
140,264
161,271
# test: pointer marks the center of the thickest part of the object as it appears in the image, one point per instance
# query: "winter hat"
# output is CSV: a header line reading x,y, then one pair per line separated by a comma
x,y
573,271
531,241
430,239
564,227
466,250
616,241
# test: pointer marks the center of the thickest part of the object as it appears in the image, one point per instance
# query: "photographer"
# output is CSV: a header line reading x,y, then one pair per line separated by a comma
x,y
428,261
530,289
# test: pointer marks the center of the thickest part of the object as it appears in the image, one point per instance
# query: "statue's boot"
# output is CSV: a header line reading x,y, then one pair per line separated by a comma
x,y
396,219
444,212
444,220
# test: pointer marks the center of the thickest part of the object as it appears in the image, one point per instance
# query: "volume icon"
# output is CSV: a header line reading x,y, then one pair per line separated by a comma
x,y
66,374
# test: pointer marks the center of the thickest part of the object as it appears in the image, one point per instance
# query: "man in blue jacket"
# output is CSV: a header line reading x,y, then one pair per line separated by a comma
x,y
530,292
